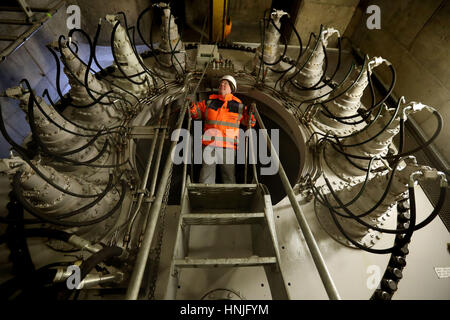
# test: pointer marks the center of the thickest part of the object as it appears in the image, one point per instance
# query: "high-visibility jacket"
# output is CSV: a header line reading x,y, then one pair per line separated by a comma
x,y
222,116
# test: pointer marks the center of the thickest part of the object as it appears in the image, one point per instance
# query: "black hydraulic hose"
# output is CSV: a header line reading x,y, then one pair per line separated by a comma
x,y
391,120
48,218
62,98
23,153
404,154
314,86
92,48
402,135
360,246
311,35
89,91
320,198
45,93
98,257
391,88
309,56
138,27
86,74
298,56
138,56
30,112
285,45
397,231
338,65
362,189
106,131
334,89
345,90
151,41
72,213
59,157
172,50
141,62
58,76
366,113
129,77
407,237
354,164
102,70
111,44
76,47
349,87
367,126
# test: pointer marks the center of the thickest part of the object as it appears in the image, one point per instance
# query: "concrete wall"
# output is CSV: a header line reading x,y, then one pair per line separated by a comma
x,y
330,13
245,16
91,11
34,62
414,36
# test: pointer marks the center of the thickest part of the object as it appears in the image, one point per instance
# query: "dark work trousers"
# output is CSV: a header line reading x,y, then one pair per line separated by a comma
x,y
225,158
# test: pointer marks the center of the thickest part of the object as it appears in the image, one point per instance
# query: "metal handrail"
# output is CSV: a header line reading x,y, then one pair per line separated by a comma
x,y
144,251
190,146
313,247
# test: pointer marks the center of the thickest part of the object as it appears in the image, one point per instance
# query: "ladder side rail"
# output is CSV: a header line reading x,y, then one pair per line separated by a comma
x,y
313,247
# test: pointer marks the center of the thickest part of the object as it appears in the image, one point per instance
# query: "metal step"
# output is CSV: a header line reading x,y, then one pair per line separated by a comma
x,y
224,262
205,197
222,218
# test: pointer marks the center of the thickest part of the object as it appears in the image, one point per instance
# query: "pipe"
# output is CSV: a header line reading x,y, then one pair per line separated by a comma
x,y
27,34
328,282
155,173
96,258
141,260
141,191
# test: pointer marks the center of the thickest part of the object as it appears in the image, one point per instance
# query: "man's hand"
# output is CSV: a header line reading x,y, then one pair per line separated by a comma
x,y
190,99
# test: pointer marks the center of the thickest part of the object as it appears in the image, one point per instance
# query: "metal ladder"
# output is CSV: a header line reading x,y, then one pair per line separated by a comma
x,y
228,204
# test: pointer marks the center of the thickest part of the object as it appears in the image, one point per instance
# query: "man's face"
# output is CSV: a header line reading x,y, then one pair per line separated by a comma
x,y
224,87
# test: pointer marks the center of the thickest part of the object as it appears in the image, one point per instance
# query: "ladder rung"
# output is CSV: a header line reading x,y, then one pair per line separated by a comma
x,y
222,218
221,186
224,262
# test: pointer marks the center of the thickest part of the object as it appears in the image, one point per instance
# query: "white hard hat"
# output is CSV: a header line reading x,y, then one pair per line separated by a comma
x,y
232,82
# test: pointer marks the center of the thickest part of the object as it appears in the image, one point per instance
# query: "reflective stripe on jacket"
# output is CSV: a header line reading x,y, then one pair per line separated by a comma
x,y
222,115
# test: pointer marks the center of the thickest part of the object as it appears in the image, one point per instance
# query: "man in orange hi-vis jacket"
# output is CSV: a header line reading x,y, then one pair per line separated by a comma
x,y
222,114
